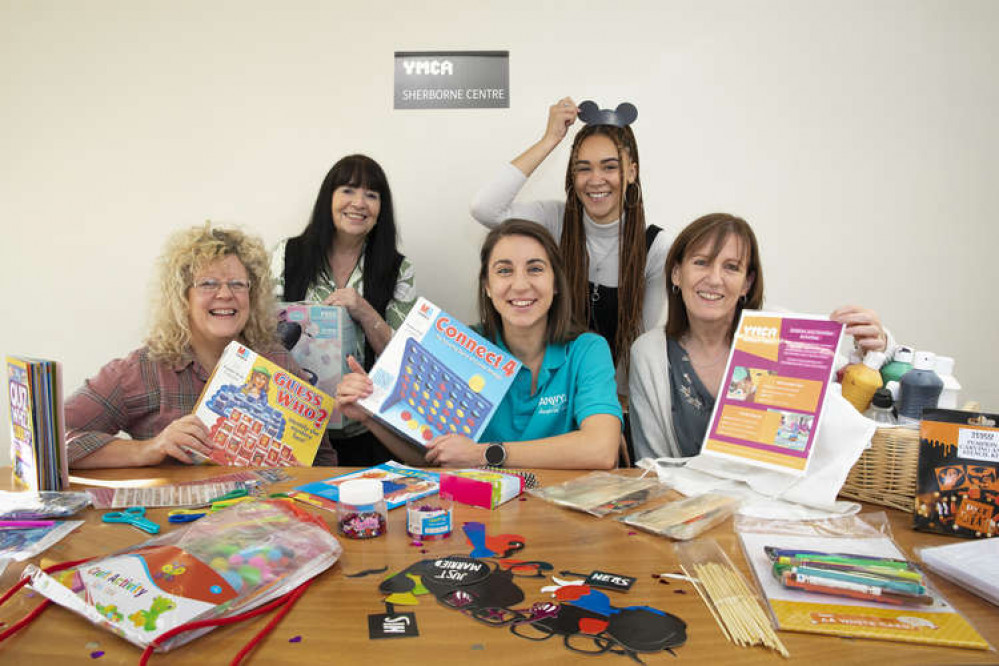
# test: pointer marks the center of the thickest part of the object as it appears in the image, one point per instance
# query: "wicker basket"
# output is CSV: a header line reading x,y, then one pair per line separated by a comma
x,y
886,472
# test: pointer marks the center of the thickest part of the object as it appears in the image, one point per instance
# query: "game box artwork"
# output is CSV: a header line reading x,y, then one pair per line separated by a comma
x,y
259,414
438,376
319,337
957,490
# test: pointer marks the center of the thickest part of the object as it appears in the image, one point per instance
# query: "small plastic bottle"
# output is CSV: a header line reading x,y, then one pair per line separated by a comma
x,y
900,364
880,410
945,371
920,388
861,380
361,511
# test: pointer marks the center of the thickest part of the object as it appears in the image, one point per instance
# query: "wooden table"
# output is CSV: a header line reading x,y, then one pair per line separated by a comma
x,y
331,618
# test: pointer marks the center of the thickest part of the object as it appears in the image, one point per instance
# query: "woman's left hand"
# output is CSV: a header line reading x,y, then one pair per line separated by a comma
x,y
864,325
455,451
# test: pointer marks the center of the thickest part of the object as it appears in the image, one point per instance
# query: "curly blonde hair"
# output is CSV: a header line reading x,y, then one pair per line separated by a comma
x,y
186,253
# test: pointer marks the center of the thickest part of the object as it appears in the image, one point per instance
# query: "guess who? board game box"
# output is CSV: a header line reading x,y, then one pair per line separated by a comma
x,y
319,338
260,414
438,376
957,490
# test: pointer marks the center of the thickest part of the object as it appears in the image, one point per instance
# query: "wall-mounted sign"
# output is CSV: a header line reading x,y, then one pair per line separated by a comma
x,y
452,79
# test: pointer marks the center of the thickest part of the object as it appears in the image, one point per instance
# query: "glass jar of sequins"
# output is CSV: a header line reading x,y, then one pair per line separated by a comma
x,y
361,512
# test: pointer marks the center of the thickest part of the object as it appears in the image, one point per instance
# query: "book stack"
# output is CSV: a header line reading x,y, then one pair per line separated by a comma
x,y
37,432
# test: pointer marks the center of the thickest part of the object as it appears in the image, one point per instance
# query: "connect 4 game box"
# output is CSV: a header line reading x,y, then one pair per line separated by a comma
x,y
319,337
438,376
259,414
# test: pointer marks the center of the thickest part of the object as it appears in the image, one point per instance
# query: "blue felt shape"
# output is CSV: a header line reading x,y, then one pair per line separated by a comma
x,y
595,601
476,535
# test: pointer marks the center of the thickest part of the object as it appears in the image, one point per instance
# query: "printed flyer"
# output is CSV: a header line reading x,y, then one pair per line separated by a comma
x,y
438,376
768,408
259,414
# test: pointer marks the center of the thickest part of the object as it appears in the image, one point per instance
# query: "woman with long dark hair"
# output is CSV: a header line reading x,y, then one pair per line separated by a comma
x,y
613,260
347,255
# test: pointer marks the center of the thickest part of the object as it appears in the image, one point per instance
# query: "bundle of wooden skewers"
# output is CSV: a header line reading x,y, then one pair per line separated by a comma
x,y
732,603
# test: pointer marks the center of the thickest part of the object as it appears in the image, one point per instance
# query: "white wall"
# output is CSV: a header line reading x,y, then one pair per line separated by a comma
x,y
859,138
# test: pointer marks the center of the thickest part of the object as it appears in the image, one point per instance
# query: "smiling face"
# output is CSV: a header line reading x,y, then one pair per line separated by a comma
x,y
520,283
218,317
711,287
355,210
597,176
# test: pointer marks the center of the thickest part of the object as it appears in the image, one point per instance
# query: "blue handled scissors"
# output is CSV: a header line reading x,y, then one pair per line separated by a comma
x,y
134,516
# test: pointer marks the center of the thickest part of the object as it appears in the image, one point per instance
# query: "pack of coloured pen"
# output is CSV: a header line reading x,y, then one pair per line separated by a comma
x,y
438,376
852,586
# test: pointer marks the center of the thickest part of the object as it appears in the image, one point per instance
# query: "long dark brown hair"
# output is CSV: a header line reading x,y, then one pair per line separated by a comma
x,y
631,242
711,231
562,326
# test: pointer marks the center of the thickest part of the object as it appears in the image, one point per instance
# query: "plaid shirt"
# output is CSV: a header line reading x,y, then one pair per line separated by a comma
x,y
141,397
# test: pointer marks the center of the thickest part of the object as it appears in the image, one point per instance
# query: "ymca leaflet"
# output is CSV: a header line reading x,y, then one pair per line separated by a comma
x,y
768,408
319,337
438,376
260,414
37,432
400,484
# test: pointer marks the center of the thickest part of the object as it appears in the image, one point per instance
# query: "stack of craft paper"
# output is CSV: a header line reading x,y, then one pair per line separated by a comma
x,y
974,565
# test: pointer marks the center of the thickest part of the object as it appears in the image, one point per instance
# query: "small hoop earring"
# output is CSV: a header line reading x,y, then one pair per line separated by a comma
x,y
675,289
742,300
637,199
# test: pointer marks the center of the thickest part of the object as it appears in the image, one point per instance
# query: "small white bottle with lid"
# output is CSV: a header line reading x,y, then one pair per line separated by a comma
x,y
361,511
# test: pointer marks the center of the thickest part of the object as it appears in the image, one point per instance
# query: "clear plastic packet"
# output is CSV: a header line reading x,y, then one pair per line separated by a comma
x,y
39,505
226,563
685,519
835,601
735,603
19,544
601,493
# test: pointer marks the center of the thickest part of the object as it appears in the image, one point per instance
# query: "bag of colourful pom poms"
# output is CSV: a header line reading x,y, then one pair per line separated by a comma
x,y
236,563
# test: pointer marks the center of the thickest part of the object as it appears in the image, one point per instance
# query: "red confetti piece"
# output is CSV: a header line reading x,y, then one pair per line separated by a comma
x,y
97,654
423,551
632,533
523,499
664,581
295,639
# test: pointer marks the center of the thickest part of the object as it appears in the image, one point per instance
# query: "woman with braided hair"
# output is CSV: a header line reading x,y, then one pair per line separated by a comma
x,y
613,260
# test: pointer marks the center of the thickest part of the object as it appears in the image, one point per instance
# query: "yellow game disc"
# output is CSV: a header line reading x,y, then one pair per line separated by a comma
x,y
476,383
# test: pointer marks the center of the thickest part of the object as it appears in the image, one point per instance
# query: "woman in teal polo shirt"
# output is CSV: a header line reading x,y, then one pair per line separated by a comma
x,y
562,409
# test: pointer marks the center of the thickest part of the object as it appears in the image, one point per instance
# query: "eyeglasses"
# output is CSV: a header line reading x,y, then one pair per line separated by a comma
x,y
212,286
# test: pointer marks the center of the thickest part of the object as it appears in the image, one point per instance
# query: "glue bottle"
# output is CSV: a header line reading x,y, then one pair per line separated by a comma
x,y
900,364
880,410
920,388
861,380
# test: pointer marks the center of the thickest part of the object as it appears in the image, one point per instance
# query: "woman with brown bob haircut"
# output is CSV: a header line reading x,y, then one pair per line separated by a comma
x,y
562,409
714,272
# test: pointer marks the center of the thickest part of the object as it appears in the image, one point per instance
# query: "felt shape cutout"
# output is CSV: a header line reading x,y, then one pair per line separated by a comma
x,y
595,601
622,116
645,629
394,625
451,571
483,545
527,568
399,582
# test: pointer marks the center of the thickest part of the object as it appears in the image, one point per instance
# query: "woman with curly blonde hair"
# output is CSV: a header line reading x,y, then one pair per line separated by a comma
x,y
214,287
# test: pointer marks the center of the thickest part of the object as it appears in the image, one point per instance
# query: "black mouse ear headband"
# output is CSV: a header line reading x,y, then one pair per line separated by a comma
x,y
622,116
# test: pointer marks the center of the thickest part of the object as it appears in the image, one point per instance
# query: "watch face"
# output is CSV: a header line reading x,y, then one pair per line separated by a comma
x,y
495,454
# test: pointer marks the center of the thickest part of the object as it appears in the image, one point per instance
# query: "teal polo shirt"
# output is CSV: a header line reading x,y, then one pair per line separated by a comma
x,y
576,380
